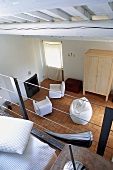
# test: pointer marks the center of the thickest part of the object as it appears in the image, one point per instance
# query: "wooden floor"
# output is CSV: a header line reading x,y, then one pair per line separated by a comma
x,y
66,124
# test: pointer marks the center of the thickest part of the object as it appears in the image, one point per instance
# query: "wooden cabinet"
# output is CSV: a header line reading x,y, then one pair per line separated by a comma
x,y
98,72
73,85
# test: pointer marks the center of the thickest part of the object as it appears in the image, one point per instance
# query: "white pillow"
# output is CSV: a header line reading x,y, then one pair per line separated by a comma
x,y
14,134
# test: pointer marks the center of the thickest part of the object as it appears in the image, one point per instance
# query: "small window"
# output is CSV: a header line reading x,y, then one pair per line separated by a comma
x,y
53,54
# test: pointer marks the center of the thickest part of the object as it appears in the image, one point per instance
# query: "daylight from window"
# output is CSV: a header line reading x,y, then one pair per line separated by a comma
x,y
53,54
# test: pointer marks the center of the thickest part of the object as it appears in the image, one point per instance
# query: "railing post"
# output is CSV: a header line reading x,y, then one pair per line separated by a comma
x,y
19,96
62,74
105,130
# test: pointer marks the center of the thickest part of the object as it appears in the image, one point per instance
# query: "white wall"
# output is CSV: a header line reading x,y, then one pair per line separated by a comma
x,y
17,57
74,66
19,54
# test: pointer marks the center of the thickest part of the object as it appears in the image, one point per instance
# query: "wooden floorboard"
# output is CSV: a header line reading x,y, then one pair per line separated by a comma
x,y
64,119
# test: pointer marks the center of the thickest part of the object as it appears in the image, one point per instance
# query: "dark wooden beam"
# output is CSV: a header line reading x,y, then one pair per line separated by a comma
x,y
19,97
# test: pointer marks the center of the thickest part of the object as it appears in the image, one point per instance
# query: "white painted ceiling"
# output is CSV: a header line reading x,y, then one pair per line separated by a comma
x,y
57,18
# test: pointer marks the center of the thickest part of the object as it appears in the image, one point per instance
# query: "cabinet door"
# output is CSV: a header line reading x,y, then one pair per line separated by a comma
x,y
103,75
90,76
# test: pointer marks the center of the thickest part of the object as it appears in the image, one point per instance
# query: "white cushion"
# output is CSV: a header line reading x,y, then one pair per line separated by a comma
x,y
37,156
81,105
43,103
55,87
14,134
55,91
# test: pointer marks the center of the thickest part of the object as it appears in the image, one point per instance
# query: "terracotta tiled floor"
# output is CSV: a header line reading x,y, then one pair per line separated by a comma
x,y
64,118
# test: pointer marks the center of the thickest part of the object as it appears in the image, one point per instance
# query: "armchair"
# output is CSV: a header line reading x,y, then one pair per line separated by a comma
x,y
57,90
43,107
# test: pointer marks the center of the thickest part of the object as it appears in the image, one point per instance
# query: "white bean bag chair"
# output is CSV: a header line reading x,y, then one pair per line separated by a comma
x,y
81,110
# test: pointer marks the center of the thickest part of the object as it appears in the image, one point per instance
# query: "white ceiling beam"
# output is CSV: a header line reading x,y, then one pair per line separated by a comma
x,y
111,5
40,15
102,9
26,17
78,11
9,8
3,20
108,10
78,32
11,18
56,13
57,35
83,13
67,29
58,25
70,10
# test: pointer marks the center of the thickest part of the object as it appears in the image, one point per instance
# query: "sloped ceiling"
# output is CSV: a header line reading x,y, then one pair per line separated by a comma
x,y
57,18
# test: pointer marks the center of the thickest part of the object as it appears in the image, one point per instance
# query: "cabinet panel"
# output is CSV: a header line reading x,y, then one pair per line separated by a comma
x,y
91,65
103,75
98,71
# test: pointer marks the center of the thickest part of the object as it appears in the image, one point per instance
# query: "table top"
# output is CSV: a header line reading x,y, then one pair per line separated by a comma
x,y
89,159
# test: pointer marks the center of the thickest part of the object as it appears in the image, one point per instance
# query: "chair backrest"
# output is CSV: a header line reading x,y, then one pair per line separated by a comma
x,y
47,98
35,106
62,88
